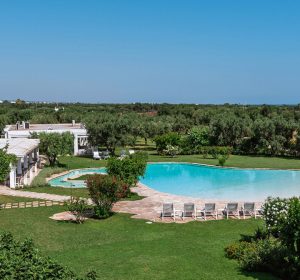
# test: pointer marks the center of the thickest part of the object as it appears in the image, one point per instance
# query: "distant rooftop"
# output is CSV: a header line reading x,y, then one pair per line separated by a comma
x,y
19,146
38,127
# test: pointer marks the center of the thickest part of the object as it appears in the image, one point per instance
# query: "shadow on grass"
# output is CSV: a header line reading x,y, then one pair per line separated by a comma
x,y
258,275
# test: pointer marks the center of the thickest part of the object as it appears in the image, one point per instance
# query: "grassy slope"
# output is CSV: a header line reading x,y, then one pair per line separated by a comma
x,y
124,248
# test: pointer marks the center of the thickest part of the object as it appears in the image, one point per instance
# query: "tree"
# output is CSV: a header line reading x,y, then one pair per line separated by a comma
x,y
128,169
109,130
198,136
104,190
2,124
229,130
55,144
5,161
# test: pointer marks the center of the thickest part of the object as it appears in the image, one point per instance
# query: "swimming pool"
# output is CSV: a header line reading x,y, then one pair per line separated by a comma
x,y
66,179
206,182
221,183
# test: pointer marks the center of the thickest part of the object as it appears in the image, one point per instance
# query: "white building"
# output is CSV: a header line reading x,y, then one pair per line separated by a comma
x,y
27,153
24,130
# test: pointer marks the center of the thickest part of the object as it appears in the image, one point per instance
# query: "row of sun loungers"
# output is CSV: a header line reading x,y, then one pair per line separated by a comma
x,y
231,209
105,154
101,155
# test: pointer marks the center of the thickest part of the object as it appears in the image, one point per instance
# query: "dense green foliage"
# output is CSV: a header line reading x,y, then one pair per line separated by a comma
x,y
21,260
257,130
54,144
277,249
5,161
168,139
104,191
109,130
78,207
128,169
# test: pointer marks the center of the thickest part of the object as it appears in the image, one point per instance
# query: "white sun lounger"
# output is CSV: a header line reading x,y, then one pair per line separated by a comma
x,y
231,209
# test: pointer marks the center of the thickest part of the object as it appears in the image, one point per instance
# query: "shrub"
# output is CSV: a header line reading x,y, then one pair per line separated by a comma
x,y
171,150
277,249
259,234
105,190
128,169
222,159
78,206
162,141
216,151
289,227
21,260
274,211
235,250
267,255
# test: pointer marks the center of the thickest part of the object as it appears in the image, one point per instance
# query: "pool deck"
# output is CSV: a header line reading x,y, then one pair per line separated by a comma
x,y
150,207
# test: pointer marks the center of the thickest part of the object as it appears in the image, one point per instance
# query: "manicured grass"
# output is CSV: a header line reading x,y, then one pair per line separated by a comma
x,y
13,199
73,162
125,248
81,192
235,161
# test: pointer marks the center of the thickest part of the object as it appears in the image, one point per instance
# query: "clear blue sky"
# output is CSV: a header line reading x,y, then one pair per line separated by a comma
x,y
191,51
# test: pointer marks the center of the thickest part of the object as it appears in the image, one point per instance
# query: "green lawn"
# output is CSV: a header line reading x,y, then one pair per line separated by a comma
x,y
235,161
72,162
13,199
81,192
125,248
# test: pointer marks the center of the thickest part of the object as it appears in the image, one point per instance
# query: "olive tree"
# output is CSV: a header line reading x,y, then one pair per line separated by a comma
x,y
55,144
109,130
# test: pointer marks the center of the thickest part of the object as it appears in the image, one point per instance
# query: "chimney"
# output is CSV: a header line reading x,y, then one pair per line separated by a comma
x,y
27,125
73,122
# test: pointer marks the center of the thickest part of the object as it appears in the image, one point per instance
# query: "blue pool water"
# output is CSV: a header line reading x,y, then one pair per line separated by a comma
x,y
221,183
64,181
207,182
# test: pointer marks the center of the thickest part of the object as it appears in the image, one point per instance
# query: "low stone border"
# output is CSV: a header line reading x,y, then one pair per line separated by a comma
x,y
30,204
68,171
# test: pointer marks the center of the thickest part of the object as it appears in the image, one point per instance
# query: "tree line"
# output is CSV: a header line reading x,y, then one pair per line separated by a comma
x,y
252,129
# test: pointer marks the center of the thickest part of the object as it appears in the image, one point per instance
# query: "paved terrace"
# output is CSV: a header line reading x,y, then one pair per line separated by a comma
x,y
148,208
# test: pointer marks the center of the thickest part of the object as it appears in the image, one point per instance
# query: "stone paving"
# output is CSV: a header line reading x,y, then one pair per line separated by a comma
x,y
45,196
